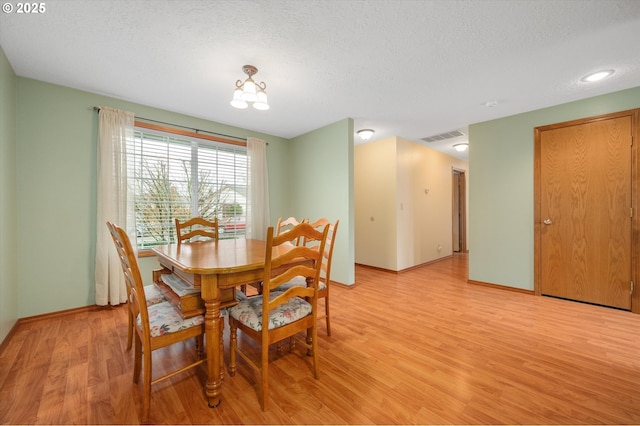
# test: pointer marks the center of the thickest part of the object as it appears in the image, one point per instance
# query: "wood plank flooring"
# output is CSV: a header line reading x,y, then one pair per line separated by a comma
x,y
419,347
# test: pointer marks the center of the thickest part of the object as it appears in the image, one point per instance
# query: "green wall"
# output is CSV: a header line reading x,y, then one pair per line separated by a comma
x,y
9,300
56,187
501,229
53,190
322,164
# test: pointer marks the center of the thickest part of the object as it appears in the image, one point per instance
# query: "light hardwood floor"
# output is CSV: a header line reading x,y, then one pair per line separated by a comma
x,y
422,346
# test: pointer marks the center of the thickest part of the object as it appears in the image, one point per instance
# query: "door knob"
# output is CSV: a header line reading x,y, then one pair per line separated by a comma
x,y
547,222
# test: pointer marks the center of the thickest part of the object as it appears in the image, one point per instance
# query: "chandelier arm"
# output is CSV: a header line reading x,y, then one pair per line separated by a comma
x,y
239,84
262,85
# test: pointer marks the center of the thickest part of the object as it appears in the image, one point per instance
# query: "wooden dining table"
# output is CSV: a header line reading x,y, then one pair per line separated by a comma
x,y
216,267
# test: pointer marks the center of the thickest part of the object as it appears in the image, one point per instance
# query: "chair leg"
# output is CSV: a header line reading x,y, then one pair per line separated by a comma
x,y
310,342
326,313
130,330
200,345
221,348
146,397
314,351
233,345
137,359
264,378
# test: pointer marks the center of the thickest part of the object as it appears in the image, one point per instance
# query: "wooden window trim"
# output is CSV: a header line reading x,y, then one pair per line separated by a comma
x,y
188,133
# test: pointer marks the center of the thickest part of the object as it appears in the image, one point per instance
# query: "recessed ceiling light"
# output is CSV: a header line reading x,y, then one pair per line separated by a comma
x,y
365,134
596,76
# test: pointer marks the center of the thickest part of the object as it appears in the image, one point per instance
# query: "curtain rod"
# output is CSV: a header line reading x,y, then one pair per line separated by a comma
x,y
96,108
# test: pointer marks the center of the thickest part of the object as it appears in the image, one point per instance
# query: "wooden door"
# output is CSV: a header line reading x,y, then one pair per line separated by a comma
x,y
459,216
584,203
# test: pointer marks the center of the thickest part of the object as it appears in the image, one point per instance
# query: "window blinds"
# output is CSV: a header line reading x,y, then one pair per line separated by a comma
x,y
181,177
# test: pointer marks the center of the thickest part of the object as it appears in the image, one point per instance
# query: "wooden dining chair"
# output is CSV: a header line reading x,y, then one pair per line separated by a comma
x,y
199,229
153,296
282,226
287,224
273,316
155,326
196,229
325,276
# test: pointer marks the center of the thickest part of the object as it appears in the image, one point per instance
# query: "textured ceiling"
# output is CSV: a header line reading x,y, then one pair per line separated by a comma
x,y
404,68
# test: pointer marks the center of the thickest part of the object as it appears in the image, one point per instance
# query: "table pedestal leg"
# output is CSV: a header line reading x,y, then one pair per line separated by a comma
x,y
214,368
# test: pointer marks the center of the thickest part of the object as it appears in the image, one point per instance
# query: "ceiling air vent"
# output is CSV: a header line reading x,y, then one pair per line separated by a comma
x,y
443,136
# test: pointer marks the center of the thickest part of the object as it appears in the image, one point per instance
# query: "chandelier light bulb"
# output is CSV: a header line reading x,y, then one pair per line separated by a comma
x,y
261,101
249,91
237,101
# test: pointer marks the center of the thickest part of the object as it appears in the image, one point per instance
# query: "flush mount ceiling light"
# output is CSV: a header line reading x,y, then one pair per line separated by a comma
x,y
596,76
365,134
461,147
250,92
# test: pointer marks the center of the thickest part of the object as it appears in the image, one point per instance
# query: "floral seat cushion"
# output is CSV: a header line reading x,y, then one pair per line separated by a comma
x,y
165,319
249,312
299,281
153,295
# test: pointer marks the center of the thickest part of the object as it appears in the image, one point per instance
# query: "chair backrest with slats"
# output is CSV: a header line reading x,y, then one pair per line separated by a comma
x,y
328,252
285,225
275,257
196,229
132,277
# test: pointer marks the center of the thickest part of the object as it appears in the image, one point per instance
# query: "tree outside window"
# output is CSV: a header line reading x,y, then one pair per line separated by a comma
x,y
180,179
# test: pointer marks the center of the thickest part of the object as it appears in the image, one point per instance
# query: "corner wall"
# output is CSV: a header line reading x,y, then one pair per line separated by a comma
x,y
376,220
9,298
322,163
403,203
424,203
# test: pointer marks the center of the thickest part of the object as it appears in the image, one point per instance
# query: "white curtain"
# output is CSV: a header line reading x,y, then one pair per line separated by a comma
x,y
115,205
258,214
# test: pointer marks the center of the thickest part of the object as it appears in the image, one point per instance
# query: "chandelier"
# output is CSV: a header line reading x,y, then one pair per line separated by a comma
x,y
250,92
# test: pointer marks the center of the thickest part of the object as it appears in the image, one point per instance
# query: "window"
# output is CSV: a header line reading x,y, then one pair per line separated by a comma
x,y
179,177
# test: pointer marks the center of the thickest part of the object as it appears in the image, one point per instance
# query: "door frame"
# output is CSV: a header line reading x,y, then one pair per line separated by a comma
x,y
462,200
635,186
